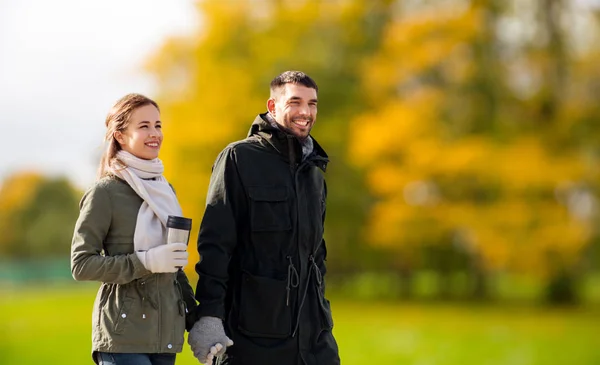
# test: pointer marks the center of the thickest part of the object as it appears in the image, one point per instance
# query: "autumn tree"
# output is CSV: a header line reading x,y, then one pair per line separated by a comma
x,y
214,82
16,194
37,216
449,150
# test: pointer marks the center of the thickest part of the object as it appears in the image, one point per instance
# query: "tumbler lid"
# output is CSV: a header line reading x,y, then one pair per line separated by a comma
x,y
179,223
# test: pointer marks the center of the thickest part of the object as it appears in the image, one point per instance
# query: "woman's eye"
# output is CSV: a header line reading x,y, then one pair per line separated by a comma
x,y
159,126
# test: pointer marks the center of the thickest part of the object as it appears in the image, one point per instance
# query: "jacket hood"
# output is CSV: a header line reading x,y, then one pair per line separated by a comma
x,y
286,144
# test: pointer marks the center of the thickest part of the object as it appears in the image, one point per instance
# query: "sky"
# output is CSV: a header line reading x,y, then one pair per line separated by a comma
x,y
63,63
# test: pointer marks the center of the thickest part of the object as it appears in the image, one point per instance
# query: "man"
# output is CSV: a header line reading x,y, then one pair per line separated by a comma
x,y
261,241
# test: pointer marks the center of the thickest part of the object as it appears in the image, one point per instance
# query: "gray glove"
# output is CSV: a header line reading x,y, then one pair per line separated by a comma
x,y
207,339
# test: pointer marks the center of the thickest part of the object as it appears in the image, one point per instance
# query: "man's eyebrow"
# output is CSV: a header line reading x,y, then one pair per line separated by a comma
x,y
299,98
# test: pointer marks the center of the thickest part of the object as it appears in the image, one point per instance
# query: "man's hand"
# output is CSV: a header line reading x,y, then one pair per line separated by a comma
x,y
207,339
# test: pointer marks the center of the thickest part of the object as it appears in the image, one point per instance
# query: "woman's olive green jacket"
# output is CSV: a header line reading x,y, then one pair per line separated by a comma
x,y
135,311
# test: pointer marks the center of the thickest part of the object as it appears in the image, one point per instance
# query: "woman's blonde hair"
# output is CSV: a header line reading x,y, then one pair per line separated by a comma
x,y
118,120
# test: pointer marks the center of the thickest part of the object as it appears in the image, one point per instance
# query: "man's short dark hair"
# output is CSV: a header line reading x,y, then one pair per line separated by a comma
x,y
293,77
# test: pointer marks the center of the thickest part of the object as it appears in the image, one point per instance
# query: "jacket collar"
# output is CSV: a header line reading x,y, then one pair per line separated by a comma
x,y
285,144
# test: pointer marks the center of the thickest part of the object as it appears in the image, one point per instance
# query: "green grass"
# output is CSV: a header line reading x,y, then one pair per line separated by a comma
x,y
51,325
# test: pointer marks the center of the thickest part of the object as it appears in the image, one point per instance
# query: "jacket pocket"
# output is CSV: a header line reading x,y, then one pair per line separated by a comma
x,y
263,309
269,208
123,319
116,311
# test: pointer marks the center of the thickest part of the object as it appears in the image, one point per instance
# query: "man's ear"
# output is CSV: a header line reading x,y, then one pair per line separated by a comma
x,y
271,106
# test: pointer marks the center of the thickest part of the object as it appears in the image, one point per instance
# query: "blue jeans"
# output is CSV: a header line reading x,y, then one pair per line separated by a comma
x,y
105,358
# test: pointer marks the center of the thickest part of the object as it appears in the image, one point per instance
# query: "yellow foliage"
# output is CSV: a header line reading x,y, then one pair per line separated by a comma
x,y
420,42
16,193
18,189
402,146
499,228
429,181
525,164
397,125
213,83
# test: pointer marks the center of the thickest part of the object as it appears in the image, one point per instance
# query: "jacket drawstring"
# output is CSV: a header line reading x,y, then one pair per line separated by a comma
x,y
318,275
142,292
292,280
319,278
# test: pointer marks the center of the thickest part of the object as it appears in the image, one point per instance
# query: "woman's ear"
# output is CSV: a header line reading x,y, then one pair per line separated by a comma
x,y
119,137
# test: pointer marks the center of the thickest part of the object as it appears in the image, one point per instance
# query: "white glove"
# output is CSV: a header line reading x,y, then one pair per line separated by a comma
x,y
164,258
207,339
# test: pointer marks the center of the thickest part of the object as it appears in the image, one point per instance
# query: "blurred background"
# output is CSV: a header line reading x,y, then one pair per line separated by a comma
x,y
464,138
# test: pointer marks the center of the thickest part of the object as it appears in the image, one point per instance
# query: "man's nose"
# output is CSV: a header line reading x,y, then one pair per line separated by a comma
x,y
304,110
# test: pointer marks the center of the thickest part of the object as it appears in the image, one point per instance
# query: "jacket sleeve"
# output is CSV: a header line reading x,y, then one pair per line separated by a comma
x,y
218,234
87,260
188,297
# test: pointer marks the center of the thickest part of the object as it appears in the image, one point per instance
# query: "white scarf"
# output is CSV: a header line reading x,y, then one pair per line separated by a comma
x,y
159,199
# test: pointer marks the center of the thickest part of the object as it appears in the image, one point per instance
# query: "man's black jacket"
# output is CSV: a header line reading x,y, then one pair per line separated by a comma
x,y
263,252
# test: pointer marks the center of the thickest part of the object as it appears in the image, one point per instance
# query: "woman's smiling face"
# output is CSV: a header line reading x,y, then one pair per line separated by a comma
x,y
143,135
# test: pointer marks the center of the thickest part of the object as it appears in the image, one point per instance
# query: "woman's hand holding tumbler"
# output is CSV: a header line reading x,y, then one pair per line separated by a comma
x,y
164,258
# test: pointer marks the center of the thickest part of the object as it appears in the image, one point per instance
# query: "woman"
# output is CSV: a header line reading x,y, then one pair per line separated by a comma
x,y
140,310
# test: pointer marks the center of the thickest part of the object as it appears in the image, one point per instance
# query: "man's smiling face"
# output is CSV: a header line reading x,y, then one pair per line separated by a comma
x,y
295,109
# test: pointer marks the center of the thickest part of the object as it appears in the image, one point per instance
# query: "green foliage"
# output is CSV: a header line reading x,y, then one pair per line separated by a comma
x,y
40,221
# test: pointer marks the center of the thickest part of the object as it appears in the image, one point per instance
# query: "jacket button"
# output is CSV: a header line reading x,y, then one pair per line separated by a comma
x,y
170,346
123,315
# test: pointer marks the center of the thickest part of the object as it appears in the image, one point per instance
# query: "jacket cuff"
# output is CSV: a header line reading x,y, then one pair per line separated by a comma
x,y
138,266
190,319
210,310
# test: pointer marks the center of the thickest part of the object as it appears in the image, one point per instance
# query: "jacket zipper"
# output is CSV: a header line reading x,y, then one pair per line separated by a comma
x,y
295,169
303,297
